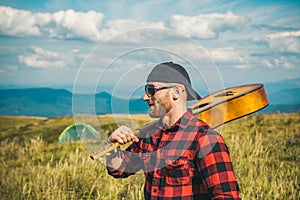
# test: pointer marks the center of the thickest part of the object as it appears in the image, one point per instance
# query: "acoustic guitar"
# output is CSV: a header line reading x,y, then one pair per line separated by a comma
x,y
215,109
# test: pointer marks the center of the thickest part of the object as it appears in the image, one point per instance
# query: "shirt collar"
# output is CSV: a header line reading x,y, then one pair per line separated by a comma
x,y
181,123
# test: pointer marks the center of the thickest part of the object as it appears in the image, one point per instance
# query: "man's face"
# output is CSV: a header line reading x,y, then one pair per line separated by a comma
x,y
160,102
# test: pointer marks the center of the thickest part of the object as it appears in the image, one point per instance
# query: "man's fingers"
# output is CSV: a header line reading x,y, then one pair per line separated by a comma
x,y
123,135
135,139
128,133
121,138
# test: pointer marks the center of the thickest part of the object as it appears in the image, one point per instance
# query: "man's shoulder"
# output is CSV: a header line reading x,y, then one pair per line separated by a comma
x,y
202,129
200,126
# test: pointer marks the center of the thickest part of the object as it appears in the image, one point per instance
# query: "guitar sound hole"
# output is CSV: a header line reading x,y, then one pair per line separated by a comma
x,y
200,105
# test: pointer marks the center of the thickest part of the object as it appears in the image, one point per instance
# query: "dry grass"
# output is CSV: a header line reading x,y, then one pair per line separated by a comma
x,y
265,150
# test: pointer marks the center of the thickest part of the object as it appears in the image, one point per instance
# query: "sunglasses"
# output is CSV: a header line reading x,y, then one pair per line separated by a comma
x,y
151,89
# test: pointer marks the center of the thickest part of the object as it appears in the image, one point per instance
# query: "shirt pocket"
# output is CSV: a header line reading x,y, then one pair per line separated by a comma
x,y
178,171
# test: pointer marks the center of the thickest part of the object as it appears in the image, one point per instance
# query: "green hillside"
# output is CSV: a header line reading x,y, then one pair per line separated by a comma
x,y
265,150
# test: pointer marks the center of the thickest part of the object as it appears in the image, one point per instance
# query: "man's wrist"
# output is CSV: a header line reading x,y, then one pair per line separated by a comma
x,y
114,159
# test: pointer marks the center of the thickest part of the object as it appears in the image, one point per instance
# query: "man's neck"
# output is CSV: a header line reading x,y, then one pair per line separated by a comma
x,y
173,116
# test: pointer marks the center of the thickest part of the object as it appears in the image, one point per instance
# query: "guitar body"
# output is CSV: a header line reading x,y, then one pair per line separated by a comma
x,y
230,104
216,109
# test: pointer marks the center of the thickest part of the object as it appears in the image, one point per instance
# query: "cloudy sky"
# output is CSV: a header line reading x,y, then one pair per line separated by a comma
x,y
112,45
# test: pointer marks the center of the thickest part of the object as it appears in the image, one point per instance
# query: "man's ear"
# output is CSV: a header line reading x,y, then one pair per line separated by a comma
x,y
176,93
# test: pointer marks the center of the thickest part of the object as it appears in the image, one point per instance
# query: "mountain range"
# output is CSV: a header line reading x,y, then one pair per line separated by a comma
x,y
48,102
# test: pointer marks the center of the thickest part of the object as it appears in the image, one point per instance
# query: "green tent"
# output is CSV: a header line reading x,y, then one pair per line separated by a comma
x,y
78,131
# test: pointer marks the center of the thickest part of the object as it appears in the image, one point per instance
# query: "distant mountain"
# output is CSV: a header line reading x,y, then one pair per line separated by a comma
x,y
287,96
283,97
282,85
35,102
59,102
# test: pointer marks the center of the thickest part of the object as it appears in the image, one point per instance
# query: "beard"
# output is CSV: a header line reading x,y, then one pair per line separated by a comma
x,y
157,111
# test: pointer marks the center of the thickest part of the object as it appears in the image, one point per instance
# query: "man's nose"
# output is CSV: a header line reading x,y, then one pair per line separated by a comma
x,y
145,97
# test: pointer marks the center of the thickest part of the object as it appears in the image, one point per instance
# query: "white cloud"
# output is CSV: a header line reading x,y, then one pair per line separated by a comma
x,y
67,24
188,50
288,41
88,25
75,50
71,24
116,27
15,22
41,58
287,62
283,62
206,25
61,24
229,56
283,35
267,63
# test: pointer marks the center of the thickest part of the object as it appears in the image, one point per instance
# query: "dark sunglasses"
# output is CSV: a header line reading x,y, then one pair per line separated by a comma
x,y
151,89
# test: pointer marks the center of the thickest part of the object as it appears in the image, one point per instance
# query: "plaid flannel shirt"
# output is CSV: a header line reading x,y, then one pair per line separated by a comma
x,y
187,161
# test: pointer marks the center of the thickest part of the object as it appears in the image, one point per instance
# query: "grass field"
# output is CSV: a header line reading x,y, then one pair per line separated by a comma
x,y
265,150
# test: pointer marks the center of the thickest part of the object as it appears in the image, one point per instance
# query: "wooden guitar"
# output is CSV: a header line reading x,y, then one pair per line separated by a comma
x,y
216,109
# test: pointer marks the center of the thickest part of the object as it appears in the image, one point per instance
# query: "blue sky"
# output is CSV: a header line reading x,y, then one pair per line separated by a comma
x,y
112,45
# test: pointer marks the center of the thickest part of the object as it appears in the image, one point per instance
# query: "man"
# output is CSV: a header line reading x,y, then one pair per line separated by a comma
x,y
182,157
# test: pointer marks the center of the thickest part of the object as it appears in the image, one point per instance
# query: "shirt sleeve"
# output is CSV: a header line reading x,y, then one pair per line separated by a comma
x,y
215,167
131,163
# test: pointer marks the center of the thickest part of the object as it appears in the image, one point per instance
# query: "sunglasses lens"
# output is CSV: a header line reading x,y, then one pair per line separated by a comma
x,y
150,90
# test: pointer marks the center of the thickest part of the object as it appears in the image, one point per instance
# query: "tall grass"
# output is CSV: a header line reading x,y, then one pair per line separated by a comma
x,y
265,150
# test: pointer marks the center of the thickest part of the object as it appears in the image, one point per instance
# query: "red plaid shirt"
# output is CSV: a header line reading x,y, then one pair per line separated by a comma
x,y
187,161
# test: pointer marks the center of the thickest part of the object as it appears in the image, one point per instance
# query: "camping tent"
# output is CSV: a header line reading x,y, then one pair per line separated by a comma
x,y
78,131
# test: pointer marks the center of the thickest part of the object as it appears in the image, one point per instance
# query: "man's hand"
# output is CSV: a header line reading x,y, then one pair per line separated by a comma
x,y
123,135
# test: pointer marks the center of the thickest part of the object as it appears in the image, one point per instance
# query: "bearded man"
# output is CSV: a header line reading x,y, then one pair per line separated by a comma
x,y
182,157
